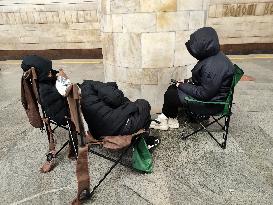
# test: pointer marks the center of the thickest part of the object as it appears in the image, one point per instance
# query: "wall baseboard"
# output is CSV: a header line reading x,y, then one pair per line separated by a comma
x,y
248,48
53,54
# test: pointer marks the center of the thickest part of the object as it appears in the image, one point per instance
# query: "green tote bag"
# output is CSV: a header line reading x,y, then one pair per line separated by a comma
x,y
142,158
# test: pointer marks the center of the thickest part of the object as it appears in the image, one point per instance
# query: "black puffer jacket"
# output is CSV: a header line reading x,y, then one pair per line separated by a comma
x,y
109,113
53,103
212,75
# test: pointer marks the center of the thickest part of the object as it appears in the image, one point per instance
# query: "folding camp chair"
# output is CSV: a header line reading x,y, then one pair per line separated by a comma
x,y
225,113
74,126
30,100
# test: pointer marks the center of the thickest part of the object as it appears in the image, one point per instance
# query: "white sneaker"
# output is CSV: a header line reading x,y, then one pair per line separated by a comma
x,y
163,123
173,123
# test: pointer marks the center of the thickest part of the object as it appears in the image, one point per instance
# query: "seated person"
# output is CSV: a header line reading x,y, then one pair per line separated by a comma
x,y
105,109
211,79
54,104
108,113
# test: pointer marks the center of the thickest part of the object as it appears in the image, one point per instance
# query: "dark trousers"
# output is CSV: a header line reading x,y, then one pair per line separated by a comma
x,y
171,102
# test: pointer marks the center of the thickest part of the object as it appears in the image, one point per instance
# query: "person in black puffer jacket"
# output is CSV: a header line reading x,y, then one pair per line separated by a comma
x,y
211,79
108,113
53,103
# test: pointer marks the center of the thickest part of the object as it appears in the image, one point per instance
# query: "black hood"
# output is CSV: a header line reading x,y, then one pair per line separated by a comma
x,y
203,43
43,66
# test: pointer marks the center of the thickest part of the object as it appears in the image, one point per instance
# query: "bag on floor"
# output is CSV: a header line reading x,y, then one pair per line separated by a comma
x,y
142,158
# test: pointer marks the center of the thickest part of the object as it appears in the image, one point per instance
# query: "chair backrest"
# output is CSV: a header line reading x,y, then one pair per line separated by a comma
x,y
238,73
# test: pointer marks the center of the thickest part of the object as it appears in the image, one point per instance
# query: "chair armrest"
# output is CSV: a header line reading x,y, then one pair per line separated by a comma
x,y
192,100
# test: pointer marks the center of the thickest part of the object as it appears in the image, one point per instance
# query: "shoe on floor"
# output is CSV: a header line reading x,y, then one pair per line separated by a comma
x,y
161,123
173,123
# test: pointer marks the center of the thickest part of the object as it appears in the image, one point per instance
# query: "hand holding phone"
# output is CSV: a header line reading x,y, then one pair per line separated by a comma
x,y
175,82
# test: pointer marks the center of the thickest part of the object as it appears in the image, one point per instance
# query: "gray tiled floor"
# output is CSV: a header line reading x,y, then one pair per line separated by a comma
x,y
195,171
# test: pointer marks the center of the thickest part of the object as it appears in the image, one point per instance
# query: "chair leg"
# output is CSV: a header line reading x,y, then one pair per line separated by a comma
x,y
73,139
51,139
50,136
202,128
211,135
64,145
225,135
108,158
134,141
185,137
217,121
50,162
111,168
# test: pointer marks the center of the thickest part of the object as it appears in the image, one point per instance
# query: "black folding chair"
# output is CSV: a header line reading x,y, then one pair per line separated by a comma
x,y
224,113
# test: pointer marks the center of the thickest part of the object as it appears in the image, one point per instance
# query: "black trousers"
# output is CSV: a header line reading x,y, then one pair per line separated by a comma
x,y
171,102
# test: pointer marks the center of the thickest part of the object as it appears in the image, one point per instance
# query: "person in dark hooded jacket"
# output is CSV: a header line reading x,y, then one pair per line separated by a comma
x,y
105,109
211,79
54,104
108,113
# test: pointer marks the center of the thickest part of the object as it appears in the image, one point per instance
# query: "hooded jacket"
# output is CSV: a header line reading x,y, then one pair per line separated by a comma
x,y
53,103
108,113
212,75
42,65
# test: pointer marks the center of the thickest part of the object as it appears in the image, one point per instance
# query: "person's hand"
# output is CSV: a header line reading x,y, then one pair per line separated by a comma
x,y
178,83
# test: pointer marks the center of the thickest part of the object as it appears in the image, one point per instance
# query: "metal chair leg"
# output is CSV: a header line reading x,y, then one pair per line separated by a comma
x,y
218,123
110,170
73,141
108,158
64,145
202,128
211,135
225,135
134,141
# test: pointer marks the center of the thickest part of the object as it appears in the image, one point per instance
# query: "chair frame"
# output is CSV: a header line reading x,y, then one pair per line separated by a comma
x,y
73,138
224,127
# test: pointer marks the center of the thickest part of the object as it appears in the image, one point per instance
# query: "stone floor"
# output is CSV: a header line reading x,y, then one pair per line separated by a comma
x,y
195,171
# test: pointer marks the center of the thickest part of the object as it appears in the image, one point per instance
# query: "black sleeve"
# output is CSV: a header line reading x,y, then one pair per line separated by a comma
x,y
209,85
111,96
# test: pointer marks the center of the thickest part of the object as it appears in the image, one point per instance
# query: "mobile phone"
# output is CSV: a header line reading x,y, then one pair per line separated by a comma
x,y
173,81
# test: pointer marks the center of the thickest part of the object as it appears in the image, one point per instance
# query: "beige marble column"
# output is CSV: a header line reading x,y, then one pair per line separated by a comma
x,y
144,44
